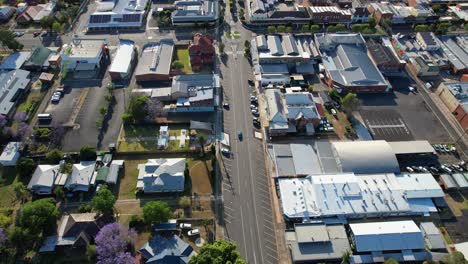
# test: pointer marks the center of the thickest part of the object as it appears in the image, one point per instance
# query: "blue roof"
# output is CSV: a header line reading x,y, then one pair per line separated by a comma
x,y
170,249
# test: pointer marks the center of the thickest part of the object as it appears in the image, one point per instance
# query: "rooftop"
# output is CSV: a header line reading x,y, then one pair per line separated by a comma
x,y
15,60
167,249
84,48
456,50
156,58
285,46
123,58
11,84
195,10
120,7
10,152
161,175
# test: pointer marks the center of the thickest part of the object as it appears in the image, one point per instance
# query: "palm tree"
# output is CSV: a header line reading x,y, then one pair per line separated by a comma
x,y
346,257
201,139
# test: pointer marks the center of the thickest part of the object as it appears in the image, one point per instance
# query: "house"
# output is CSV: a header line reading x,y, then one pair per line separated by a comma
x,y
460,10
427,41
161,175
378,241
330,14
45,178
76,231
12,85
15,61
166,248
6,12
84,54
455,97
34,13
38,60
117,14
348,67
123,61
10,154
432,237
192,12
82,176
317,242
201,51
155,61
21,7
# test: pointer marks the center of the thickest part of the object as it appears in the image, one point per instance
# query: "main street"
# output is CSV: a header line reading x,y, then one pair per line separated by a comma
x,y
248,217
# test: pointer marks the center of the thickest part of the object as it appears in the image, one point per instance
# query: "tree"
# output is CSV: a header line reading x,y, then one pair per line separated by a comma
x,y
391,261
137,108
54,156
271,29
85,208
221,48
331,29
386,23
219,252
7,39
104,201
154,109
442,28
340,27
59,193
350,102
39,216
3,237
42,134
103,110
184,202
345,257
87,153
314,28
57,27
114,243
305,28
156,212
25,167
201,139
372,22
335,95
422,28
20,238
47,22
20,191
281,29
177,65
5,221
454,258
437,8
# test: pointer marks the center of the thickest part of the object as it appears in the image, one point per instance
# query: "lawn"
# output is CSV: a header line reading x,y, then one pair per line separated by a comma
x,y
129,179
7,178
136,138
183,56
200,176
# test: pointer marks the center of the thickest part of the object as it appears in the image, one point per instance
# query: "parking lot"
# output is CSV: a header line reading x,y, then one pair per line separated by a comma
x,y
401,115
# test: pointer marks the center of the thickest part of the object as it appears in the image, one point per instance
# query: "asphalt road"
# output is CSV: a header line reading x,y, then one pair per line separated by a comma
x,y
248,216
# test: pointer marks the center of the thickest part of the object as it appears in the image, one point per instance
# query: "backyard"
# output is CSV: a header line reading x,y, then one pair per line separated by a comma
x,y
182,55
7,180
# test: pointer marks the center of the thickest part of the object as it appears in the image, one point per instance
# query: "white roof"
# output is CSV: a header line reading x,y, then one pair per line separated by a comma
x,y
81,176
44,176
420,185
10,152
123,57
84,48
411,147
382,236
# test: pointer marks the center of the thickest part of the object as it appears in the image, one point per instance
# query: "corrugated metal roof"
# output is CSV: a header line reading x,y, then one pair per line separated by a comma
x,y
411,147
123,57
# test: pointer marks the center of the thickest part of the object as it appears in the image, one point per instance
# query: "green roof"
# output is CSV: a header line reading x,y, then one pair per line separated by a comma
x,y
102,174
39,56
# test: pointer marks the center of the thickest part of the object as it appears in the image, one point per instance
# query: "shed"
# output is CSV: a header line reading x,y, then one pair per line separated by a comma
x,y
460,180
10,154
448,182
102,174
46,77
113,174
432,236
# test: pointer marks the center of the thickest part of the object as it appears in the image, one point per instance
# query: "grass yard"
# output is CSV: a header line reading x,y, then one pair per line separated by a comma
x,y
182,55
457,202
139,138
7,178
128,181
200,176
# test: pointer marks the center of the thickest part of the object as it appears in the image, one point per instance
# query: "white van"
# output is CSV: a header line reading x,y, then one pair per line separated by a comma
x,y
44,116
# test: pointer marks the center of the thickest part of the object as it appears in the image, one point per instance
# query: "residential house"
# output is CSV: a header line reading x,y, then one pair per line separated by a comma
x,y
161,175
6,12
84,54
10,154
21,7
82,177
39,59
12,85
122,64
380,11
155,61
201,51
76,231
317,242
330,14
192,12
118,14
455,97
166,248
15,61
348,67
427,41
45,178
34,13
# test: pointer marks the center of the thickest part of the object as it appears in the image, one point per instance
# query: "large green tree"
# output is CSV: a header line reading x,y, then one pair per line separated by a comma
x,y
54,156
25,167
87,153
156,212
7,39
456,257
39,216
137,110
47,22
104,201
350,102
219,252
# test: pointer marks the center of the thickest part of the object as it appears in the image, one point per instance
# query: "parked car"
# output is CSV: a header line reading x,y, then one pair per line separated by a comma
x,y
36,33
226,105
240,136
18,33
254,111
185,226
193,232
434,170
55,98
415,168
253,106
225,152
445,169
446,148
457,167
333,112
409,169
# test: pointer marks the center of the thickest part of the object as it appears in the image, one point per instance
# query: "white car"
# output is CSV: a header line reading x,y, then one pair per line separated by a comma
x,y
333,112
254,111
411,88
193,232
55,98
253,98
225,151
409,169
253,106
185,226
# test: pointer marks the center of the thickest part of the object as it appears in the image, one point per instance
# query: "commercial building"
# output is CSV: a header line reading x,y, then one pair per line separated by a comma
x,y
161,175
348,67
10,154
275,12
84,54
455,97
385,58
378,241
190,12
12,85
118,14
122,64
330,14
360,13
460,10
427,41
345,196
315,242
455,49
155,61
432,237
425,67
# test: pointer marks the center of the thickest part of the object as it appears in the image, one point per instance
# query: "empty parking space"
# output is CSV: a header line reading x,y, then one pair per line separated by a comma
x,y
386,125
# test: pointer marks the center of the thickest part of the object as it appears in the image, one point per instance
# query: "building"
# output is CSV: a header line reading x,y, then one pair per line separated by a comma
x,y
84,55
118,14
45,178
360,14
427,41
38,60
425,67
315,242
380,11
432,237
292,112
461,181
385,58
122,64
20,7
330,14
155,61
166,248
460,10
75,232
348,67
455,49
455,97
34,13
10,154
201,51
192,12
12,85
161,175
276,12
448,182
379,241
82,176
345,196
15,61
6,12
